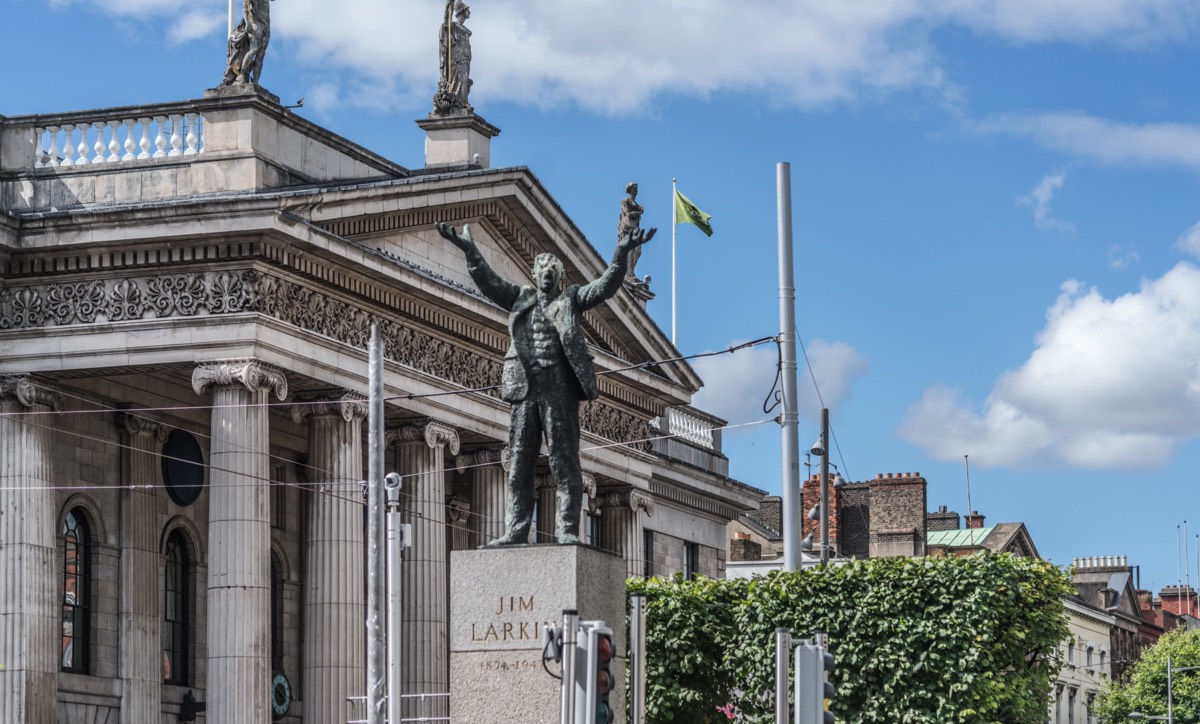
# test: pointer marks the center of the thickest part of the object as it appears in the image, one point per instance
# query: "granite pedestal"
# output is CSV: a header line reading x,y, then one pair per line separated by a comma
x,y
500,603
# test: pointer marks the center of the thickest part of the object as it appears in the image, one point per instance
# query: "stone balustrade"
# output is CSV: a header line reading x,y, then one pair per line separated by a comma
x,y
118,139
693,428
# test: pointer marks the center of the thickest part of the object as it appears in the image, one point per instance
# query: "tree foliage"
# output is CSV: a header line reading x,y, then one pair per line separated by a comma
x,y
922,640
1145,689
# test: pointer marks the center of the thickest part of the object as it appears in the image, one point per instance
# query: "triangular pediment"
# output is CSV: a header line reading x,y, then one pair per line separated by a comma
x,y
512,219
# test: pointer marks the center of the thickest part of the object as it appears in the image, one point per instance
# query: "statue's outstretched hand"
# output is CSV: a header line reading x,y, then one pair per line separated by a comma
x,y
464,242
635,238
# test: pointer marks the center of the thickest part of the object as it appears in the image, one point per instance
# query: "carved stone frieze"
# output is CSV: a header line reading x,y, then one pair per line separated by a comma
x,y
349,406
30,392
242,291
250,373
626,497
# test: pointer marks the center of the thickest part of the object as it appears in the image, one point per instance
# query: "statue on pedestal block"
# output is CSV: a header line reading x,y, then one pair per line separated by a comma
x,y
454,62
631,221
248,44
548,371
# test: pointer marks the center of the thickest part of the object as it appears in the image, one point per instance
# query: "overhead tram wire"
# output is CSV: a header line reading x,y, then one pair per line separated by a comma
x,y
409,396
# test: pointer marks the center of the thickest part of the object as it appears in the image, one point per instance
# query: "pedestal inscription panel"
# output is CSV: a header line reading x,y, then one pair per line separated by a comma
x,y
501,600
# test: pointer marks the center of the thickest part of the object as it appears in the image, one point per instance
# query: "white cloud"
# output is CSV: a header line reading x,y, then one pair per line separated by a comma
x,y
1039,199
1078,134
735,385
1189,241
1112,383
1122,257
616,56
195,25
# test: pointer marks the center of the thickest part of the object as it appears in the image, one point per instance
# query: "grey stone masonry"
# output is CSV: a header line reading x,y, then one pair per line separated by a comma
x,y
421,455
239,584
502,599
141,675
488,478
334,609
29,615
621,524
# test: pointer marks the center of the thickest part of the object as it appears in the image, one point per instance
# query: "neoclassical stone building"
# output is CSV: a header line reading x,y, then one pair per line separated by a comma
x,y
186,292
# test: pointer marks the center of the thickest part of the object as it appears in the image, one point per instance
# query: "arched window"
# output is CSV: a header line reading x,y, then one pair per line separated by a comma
x,y
176,611
77,592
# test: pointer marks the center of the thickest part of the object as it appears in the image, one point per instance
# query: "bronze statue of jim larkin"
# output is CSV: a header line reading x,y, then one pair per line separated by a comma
x,y
548,371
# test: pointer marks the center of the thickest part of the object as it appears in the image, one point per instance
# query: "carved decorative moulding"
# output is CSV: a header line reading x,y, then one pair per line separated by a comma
x,y
249,373
477,457
627,498
137,422
349,406
433,434
30,392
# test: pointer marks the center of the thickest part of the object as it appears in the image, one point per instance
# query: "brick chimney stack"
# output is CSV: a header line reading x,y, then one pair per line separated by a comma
x,y
974,520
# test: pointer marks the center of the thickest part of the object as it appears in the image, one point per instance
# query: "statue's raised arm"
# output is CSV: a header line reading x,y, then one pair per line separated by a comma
x,y
609,282
491,284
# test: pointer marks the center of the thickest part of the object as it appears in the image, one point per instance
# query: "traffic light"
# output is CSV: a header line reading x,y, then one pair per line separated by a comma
x,y
594,676
813,690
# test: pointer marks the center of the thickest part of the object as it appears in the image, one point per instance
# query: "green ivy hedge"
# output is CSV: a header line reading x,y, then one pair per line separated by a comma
x,y
937,640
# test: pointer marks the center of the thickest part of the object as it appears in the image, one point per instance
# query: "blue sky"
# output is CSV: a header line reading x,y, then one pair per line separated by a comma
x,y
995,201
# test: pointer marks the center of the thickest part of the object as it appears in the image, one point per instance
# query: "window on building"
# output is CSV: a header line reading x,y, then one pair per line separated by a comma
x,y
276,616
592,530
1090,651
691,560
176,611
1103,655
648,554
1071,653
1071,705
77,585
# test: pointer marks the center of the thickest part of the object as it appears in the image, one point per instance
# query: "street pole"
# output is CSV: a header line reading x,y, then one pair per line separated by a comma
x,y
1170,694
375,643
397,539
783,650
570,632
789,421
825,486
637,657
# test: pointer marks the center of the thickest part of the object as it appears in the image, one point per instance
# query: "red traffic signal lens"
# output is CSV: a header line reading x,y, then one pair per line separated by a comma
x,y
604,649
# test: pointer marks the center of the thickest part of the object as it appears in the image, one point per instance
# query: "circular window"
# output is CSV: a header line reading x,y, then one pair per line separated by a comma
x,y
182,467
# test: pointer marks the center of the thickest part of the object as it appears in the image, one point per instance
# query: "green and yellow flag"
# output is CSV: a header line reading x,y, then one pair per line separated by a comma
x,y
688,213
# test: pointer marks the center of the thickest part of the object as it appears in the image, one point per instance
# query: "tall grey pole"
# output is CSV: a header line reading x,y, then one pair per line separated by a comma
x,y
375,643
1170,694
825,486
396,535
789,423
783,650
637,657
570,632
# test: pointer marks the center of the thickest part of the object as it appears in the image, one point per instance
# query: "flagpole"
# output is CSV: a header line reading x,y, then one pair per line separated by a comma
x,y
230,33
674,317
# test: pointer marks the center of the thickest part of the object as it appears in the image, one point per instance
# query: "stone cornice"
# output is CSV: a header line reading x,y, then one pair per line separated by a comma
x,y
350,406
30,392
692,500
249,373
434,434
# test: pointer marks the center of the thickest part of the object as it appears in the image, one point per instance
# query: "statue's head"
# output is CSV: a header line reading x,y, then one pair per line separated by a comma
x,y
547,272
631,188
461,10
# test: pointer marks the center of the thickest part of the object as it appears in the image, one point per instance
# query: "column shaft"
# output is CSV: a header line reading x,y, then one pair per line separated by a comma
x,y
334,610
140,628
29,615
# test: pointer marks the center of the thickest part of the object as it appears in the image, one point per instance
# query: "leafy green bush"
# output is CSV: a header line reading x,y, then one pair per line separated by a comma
x,y
923,640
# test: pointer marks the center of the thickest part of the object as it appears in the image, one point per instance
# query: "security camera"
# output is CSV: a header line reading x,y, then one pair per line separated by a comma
x,y
391,481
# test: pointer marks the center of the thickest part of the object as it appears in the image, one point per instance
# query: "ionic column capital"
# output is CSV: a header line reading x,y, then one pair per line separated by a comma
x,y
459,509
249,373
627,498
137,422
350,406
434,434
545,480
589,485
476,457
29,391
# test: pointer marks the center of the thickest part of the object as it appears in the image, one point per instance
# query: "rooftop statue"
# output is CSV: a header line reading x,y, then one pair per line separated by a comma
x,y
248,44
631,221
454,62
548,372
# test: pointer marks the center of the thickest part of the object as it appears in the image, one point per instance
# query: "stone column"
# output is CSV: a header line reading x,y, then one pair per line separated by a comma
x,y
589,504
458,509
138,595
333,593
425,630
547,494
30,617
489,476
239,530
621,524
